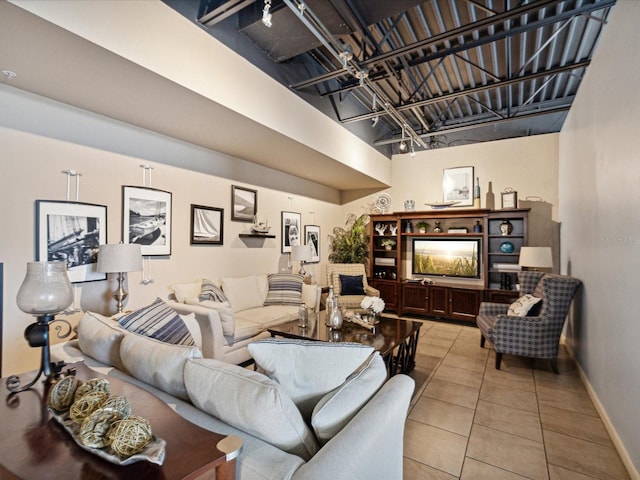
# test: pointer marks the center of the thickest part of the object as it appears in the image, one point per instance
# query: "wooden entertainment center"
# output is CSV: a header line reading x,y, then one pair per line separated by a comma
x,y
501,234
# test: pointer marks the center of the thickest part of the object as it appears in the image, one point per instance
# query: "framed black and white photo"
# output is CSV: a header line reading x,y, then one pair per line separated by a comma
x,y
312,238
457,186
244,204
290,230
207,224
146,219
71,232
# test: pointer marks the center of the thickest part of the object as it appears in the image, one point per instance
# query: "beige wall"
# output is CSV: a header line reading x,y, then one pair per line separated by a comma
x,y
599,174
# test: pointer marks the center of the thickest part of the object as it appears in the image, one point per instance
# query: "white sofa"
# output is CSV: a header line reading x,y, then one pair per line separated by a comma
x,y
314,416
251,306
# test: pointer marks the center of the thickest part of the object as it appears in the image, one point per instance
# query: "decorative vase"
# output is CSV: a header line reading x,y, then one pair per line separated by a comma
x,y
506,227
387,247
437,228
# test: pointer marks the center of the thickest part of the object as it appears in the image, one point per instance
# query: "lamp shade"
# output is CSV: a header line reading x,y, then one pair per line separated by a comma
x,y
300,253
46,289
119,257
536,257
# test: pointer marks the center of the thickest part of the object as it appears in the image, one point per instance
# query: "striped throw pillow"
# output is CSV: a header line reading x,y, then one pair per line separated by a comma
x,y
211,291
158,321
284,289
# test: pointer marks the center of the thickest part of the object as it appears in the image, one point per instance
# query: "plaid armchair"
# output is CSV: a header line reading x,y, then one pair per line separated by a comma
x,y
334,270
537,336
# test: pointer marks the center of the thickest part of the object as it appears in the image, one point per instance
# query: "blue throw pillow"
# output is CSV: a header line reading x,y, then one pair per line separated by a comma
x,y
351,285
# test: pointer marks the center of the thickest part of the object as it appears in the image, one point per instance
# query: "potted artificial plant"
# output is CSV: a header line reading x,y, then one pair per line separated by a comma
x,y
422,226
350,244
387,243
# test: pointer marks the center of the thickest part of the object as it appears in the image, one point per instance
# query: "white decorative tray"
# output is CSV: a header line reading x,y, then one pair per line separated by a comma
x,y
153,452
438,205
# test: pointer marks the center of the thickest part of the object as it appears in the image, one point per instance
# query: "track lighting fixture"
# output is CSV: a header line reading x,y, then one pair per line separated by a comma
x,y
266,16
374,121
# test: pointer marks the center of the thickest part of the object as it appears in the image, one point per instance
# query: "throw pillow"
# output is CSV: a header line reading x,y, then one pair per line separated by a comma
x,y
339,406
183,291
308,370
157,363
351,285
211,291
100,338
250,402
522,306
158,321
243,292
284,289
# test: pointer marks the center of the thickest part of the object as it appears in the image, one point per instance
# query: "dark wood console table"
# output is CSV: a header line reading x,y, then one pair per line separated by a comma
x,y
33,445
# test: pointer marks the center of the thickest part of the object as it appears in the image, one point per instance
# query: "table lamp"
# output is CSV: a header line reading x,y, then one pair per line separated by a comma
x,y
45,291
302,254
120,258
535,257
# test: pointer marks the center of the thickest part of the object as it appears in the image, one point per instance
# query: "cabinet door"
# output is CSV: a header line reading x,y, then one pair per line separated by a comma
x,y
464,304
439,300
414,299
388,292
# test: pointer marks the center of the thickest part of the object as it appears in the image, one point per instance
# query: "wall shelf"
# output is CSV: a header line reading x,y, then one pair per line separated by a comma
x,y
255,235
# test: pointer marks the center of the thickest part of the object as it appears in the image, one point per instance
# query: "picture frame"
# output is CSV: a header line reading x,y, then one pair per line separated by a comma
x,y
312,238
457,186
290,230
71,232
509,199
146,219
244,204
207,225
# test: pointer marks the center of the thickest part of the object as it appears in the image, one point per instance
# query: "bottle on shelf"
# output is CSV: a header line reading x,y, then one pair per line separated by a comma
x,y
476,194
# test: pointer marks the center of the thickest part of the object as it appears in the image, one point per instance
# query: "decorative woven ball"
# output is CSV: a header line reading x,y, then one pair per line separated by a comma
x,y
119,404
85,406
94,429
62,394
95,384
130,436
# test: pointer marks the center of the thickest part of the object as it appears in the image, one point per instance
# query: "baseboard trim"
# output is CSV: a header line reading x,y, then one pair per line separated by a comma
x,y
615,438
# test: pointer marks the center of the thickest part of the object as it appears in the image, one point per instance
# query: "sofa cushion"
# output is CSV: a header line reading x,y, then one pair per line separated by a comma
x,y
157,363
158,321
284,289
243,292
270,315
351,285
308,370
246,328
340,405
523,305
100,338
183,291
250,402
211,291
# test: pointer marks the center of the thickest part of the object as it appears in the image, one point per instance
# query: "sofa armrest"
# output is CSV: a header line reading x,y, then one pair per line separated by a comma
x,y
210,328
311,296
378,432
371,292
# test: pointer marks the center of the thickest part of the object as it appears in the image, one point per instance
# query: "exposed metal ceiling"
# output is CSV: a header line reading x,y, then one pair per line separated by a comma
x,y
454,71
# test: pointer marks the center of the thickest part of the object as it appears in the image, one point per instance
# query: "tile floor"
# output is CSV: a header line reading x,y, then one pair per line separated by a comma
x,y
469,421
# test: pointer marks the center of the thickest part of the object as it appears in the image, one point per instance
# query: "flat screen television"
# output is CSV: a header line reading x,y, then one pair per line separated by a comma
x,y
446,257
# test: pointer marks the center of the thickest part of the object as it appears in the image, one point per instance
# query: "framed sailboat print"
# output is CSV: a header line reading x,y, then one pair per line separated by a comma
x,y
146,219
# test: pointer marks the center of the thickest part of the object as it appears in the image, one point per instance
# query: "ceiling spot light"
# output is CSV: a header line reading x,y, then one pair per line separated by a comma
x,y
266,16
403,144
374,120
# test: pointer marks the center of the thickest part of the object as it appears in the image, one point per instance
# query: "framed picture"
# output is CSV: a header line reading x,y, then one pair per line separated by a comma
x,y
312,238
290,230
71,232
146,219
207,225
457,186
244,204
509,199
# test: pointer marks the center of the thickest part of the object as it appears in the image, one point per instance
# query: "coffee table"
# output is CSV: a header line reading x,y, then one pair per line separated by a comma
x,y
34,445
394,338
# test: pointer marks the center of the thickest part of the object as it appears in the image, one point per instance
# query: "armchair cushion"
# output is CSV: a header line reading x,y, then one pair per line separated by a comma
x,y
158,321
351,285
211,291
284,289
525,306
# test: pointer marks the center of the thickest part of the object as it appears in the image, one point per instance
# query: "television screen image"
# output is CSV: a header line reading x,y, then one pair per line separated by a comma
x,y
444,257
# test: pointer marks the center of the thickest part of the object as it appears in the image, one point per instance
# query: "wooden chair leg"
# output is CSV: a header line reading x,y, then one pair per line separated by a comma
x,y
482,339
554,366
498,360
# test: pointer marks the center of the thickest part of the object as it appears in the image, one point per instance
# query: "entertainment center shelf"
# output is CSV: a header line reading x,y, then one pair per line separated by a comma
x,y
492,238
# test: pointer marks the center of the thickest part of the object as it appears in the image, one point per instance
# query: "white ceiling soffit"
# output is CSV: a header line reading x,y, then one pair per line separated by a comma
x,y
55,63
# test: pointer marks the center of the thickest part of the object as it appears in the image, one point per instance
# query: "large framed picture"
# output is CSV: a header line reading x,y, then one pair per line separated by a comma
x,y
457,186
71,232
244,204
207,224
146,219
312,238
290,230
